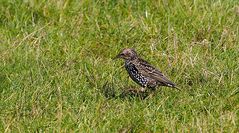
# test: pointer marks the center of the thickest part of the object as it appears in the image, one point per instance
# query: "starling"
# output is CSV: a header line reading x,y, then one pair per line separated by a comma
x,y
142,72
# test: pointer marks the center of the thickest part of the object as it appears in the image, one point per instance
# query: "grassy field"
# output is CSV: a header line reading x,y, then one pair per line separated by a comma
x,y
56,57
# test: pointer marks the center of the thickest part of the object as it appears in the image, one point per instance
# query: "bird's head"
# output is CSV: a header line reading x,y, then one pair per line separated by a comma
x,y
127,54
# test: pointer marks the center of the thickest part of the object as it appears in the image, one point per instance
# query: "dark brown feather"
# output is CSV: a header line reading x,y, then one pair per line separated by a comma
x,y
149,71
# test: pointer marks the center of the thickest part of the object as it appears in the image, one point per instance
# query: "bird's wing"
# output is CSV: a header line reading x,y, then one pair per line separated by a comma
x,y
147,70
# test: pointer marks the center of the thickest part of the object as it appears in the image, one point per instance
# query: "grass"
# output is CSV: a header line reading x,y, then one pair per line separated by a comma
x,y
56,57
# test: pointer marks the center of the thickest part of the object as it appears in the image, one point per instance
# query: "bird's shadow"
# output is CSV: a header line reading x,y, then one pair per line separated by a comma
x,y
109,91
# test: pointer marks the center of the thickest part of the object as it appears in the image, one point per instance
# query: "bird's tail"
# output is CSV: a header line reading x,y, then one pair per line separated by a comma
x,y
172,85
177,88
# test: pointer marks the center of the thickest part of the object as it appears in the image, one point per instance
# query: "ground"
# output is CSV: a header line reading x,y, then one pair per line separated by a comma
x,y
57,72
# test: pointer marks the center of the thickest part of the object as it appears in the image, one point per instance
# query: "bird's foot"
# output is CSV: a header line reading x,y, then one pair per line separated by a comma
x,y
142,93
151,94
133,90
138,91
143,89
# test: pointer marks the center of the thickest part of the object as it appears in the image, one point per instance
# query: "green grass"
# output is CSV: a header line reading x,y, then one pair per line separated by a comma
x,y
56,56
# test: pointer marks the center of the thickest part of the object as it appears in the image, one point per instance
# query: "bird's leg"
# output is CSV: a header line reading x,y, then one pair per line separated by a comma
x,y
143,89
131,90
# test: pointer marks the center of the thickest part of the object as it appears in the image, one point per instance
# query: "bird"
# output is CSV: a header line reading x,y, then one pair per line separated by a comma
x,y
141,72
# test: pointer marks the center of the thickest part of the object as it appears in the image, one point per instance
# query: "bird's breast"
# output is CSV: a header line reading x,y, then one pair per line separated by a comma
x,y
135,74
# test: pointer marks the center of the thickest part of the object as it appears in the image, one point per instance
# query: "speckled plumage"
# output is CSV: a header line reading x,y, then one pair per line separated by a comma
x,y
142,72
135,74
